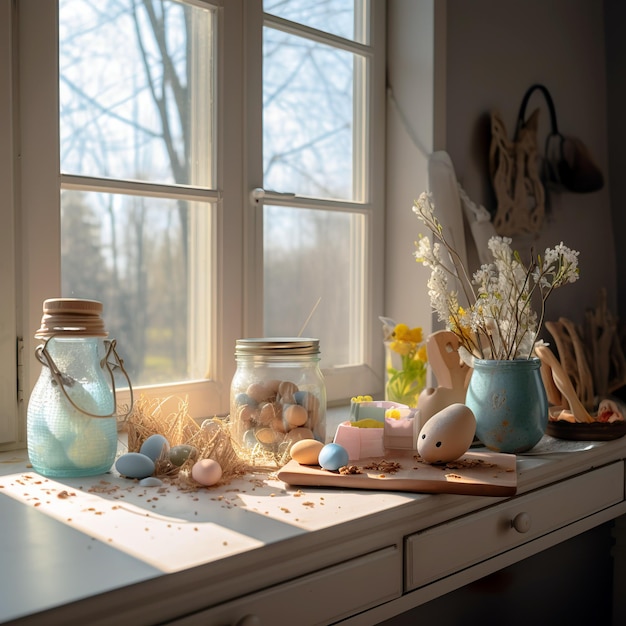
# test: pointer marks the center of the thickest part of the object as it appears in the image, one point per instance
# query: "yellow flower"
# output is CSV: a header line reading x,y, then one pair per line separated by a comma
x,y
405,379
361,399
401,332
416,335
401,347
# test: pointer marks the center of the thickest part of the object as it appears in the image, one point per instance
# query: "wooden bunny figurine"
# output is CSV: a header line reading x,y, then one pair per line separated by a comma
x,y
451,373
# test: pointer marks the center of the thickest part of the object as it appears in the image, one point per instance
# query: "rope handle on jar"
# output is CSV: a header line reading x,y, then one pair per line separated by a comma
x,y
45,358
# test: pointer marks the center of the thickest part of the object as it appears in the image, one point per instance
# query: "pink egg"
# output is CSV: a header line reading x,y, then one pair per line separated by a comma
x,y
206,472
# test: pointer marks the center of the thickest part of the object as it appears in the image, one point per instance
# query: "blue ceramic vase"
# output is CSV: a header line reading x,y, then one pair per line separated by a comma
x,y
510,404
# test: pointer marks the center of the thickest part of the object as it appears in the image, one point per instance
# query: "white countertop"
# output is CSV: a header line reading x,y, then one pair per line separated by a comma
x,y
68,539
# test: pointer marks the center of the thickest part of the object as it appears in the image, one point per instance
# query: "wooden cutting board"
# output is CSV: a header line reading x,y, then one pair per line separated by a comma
x,y
475,473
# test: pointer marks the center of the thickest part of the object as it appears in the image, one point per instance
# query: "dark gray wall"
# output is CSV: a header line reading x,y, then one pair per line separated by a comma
x,y
496,49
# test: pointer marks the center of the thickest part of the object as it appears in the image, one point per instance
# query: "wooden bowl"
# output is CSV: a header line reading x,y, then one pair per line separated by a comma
x,y
581,431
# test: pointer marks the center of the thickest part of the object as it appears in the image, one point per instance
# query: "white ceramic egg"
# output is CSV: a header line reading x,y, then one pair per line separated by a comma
x,y
206,472
447,435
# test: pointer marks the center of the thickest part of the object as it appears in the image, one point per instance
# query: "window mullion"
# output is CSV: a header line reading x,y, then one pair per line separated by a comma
x,y
253,173
138,188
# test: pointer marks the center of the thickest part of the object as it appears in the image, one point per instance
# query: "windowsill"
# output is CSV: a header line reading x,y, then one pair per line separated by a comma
x,y
73,539
107,532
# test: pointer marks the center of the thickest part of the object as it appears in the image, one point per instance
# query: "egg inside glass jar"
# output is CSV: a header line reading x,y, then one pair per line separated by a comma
x,y
267,414
447,435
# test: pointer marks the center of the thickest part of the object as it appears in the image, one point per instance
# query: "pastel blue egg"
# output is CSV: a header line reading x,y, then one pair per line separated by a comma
x,y
244,398
307,399
155,446
301,397
151,481
333,456
135,465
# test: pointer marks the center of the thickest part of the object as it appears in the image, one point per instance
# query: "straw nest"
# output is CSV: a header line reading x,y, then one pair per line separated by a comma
x,y
211,439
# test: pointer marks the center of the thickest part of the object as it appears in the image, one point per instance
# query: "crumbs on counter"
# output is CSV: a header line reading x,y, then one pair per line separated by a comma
x,y
388,467
383,466
350,469
458,463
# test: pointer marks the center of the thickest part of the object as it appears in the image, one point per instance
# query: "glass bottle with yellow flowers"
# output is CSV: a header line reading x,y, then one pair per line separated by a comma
x,y
405,362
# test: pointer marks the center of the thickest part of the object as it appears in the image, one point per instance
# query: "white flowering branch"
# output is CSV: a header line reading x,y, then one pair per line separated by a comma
x,y
497,321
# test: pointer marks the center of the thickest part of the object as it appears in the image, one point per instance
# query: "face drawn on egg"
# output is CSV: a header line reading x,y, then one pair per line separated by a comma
x,y
447,435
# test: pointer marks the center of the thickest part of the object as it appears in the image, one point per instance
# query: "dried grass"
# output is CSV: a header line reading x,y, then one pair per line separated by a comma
x,y
211,439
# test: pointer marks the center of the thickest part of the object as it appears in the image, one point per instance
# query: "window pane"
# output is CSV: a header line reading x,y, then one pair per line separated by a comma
x,y
136,90
307,117
331,16
133,254
308,255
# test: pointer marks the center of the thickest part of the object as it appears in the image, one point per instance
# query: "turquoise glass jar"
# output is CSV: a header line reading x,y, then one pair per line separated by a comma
x,y
71,421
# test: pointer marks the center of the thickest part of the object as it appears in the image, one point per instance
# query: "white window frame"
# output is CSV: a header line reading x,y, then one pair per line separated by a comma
x,y
366,377
9,399
30,267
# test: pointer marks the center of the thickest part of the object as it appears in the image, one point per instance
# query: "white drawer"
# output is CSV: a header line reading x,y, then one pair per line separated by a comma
x,y
321,597
443,550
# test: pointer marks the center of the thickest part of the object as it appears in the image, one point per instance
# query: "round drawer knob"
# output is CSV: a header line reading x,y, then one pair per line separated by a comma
x,y
521,522
249,620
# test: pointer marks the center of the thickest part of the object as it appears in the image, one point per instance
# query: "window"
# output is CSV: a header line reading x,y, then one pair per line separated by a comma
x,y
138,184
314,251
320,203
210,171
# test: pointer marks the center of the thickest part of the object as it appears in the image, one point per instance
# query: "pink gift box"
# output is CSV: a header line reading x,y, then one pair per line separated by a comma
x,y
372,442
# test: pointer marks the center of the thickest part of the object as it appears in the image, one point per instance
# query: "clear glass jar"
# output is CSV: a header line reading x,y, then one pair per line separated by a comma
x,y
71,421
277,397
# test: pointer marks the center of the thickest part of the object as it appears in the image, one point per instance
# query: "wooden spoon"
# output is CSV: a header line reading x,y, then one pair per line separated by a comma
x,y
564,384
443,356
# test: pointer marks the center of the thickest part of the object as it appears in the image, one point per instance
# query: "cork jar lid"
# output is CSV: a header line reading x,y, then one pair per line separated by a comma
x,y
71,317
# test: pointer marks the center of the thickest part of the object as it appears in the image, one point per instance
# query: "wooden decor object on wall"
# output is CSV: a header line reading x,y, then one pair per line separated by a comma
x,y
592,355
515,177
